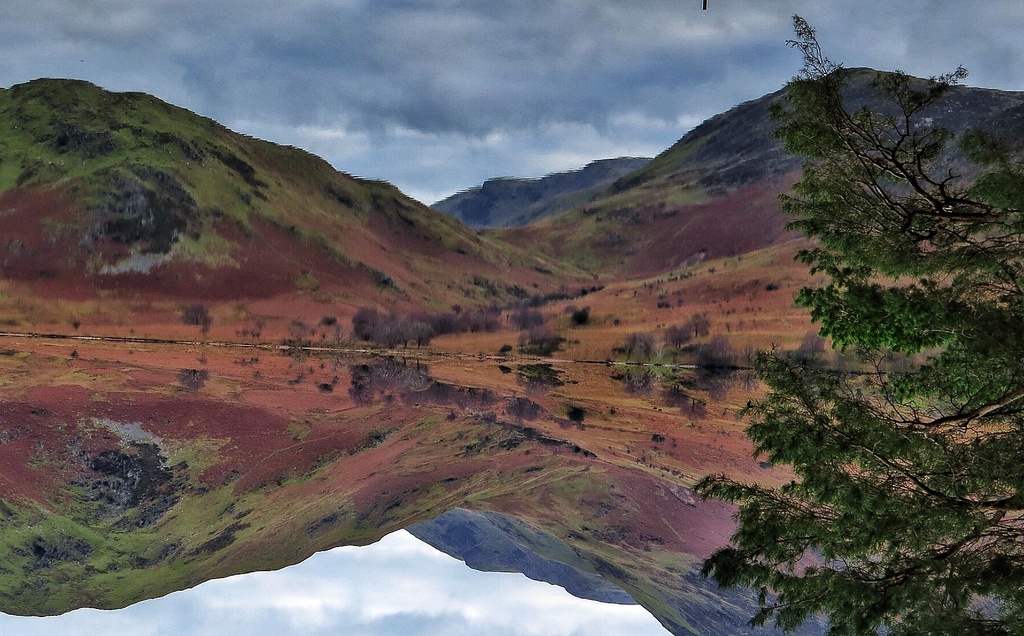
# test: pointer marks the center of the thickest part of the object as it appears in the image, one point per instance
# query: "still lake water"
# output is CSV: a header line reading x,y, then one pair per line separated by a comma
x,y
170,469
399,585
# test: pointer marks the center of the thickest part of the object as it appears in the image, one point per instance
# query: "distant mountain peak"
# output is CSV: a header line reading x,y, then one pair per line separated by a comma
x,y
715,191
513,201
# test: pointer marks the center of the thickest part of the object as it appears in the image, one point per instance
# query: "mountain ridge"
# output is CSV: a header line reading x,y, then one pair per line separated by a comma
x,y
125,191
715,192
512,201
494,542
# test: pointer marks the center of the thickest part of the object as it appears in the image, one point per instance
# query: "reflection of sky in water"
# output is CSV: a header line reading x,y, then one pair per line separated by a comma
x,y
397,586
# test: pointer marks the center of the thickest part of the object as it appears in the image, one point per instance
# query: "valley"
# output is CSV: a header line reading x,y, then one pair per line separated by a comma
x,y
219,355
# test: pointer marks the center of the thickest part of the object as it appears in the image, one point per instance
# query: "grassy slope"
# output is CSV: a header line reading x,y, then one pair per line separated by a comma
x,y
711,194
215,199
714,193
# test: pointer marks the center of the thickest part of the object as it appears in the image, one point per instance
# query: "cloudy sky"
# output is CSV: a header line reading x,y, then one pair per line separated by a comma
x,y
396,587
438,95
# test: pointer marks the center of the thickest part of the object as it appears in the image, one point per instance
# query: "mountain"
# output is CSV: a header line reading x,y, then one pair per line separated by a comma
x,y
130,470
122,193
508,202
493,542
715,192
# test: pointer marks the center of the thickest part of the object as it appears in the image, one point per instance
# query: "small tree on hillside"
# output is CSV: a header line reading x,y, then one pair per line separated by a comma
x,y
700,324
579,316
365,322
640,345
526,318
678,335
197,314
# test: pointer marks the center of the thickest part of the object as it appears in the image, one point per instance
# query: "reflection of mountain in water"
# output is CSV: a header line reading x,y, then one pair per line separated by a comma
x,y
493,542
149,481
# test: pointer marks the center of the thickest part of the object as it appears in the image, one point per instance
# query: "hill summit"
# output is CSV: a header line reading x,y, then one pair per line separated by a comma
x,y
714,193
508,202
122,191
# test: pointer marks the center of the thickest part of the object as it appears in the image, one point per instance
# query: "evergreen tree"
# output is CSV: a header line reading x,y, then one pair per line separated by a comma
x,y
905,514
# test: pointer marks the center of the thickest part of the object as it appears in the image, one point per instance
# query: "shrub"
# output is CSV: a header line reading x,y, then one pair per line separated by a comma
x,y
197,314
193,379
540,341
637,380
576,414
486,320
307,282
523,319
678,335
580,317
394,329
640,345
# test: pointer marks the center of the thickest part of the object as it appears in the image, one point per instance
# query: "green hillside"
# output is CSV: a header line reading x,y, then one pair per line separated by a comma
x,y
110,190
715,192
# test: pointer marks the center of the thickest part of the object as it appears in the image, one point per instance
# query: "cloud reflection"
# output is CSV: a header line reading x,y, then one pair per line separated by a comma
x,y
399,585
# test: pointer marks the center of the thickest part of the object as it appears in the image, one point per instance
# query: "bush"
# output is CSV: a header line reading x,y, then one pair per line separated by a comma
x,y
192,379
640,345
576,414
540,341
393,329
197,314
523,319
485,320
638,380
678,335
580,317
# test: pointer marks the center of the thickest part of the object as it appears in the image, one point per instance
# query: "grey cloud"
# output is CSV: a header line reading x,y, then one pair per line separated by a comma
x,y
469,68
452,74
